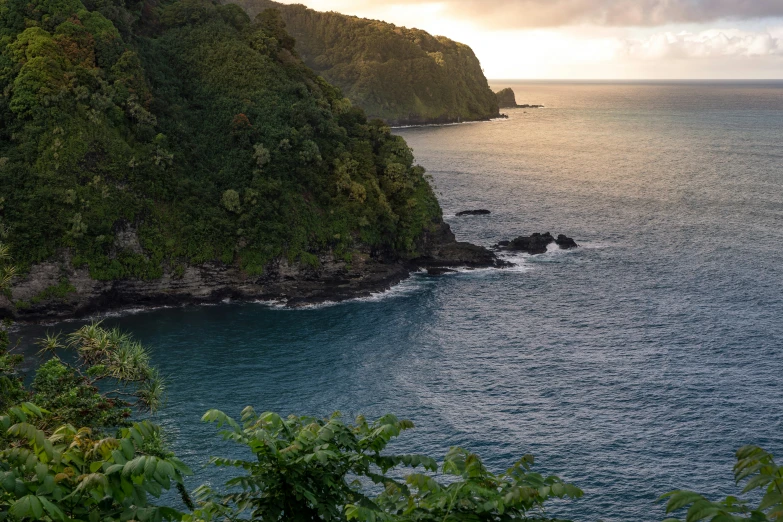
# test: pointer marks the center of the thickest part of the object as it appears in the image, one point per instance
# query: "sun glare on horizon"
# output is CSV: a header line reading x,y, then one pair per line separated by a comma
x,y
597,41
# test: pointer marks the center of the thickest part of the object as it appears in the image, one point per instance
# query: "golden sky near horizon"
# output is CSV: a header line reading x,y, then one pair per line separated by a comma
x,y
598,39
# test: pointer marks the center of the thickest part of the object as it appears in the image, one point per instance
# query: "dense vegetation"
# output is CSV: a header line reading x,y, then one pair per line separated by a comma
x,y
400,75
137,137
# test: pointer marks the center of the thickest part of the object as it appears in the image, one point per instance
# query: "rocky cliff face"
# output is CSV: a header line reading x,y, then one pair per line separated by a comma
x,y
294,284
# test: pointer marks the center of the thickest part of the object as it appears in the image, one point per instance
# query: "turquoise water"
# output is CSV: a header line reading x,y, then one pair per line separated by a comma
x,y
631,366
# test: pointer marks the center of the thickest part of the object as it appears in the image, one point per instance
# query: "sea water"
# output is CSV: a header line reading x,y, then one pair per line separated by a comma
x,y
633,365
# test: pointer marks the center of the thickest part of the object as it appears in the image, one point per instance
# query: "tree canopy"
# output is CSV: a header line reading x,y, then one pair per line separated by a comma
x,y
139,137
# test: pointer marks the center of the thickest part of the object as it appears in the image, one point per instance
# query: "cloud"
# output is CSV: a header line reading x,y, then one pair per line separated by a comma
x,y
509,14
711,43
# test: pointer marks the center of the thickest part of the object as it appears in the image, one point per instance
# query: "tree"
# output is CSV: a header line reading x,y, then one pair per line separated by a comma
x,y
758,468
271,21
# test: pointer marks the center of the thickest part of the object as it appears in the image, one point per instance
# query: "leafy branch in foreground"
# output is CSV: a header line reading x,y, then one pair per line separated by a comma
x,y
474,494
320,469
762,474
73,475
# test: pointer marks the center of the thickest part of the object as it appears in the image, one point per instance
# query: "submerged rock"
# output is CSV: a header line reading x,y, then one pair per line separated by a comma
x,y
479,212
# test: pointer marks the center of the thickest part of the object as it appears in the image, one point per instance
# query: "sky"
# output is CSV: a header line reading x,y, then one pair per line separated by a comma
x,y
598,39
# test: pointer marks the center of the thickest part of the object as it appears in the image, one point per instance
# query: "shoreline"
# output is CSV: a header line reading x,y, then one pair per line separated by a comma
x,y
334,280
437,122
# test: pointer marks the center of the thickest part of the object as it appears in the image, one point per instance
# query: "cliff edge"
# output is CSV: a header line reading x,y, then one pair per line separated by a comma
x,y
402,76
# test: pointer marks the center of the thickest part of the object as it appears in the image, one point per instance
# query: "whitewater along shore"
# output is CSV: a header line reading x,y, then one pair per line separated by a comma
x,y
33,300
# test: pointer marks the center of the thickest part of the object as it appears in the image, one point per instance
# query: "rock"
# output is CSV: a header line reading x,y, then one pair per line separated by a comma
x,y
534,244
565,242
439,270
439,248
506,98
479,212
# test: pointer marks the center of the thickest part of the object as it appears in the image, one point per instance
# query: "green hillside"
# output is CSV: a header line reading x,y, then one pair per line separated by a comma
x,y
140,136
397,74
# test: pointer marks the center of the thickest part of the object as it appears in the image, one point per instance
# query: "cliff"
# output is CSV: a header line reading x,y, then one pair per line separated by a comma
x,y
403,76
182,152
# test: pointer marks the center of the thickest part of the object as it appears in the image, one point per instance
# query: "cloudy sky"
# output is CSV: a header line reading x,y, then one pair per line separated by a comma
x,y
598,39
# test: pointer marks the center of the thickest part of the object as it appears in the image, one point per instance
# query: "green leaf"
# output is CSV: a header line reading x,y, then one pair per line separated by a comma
x,y
680,499
55,512
21,507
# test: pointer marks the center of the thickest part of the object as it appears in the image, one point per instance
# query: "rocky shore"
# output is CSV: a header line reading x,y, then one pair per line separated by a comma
x,y
422,122
333,280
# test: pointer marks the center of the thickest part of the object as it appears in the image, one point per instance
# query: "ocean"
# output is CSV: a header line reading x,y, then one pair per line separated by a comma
x,y
633,365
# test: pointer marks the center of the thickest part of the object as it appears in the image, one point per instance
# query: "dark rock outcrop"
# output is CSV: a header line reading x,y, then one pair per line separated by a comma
x,y
440,248
565,242
536,243
479,212
507,100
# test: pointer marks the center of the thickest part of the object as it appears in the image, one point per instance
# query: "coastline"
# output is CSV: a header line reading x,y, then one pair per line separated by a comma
x,y
437,122
334,280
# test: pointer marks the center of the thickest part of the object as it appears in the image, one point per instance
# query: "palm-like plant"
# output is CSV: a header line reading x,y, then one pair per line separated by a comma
x,y
112,355
7,270
110,373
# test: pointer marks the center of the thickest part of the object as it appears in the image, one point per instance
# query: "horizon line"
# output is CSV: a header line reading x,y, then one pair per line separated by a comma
x,y
635,79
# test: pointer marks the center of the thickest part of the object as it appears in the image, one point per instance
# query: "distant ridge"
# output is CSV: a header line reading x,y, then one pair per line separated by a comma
x,y
403,76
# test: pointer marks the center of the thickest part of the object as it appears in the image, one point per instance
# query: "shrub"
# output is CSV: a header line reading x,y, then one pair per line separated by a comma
x,y
74,475
305,468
